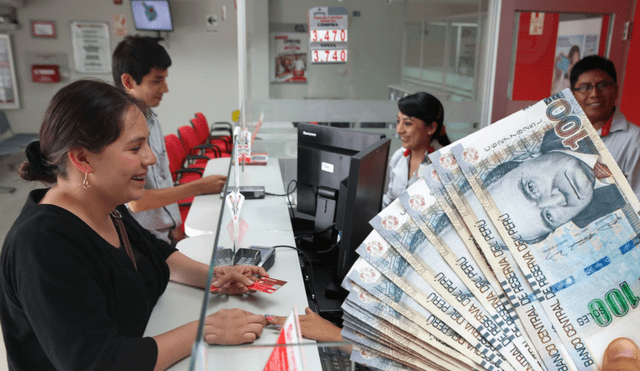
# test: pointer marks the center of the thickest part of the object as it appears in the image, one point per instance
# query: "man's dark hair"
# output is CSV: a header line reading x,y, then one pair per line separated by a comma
x,y
137,55
590,63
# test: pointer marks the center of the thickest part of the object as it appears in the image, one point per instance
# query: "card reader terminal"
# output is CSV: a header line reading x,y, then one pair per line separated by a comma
x,y
224,257
268,256
261,256
250,192
247,257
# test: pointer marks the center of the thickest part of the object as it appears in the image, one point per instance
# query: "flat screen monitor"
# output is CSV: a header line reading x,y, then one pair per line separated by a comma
x,y
152,15
324,160
359,201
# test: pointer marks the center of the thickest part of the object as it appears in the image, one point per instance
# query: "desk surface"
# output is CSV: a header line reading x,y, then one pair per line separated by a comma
x,y
268,225
181,304
271,213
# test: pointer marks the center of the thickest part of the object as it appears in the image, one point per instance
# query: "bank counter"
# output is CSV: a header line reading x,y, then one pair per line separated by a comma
x,y
264,222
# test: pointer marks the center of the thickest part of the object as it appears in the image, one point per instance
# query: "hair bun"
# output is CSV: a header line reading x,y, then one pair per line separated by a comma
x,y
38,160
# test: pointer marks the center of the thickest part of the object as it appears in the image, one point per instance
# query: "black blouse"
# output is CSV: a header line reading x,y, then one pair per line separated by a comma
x,y
69,300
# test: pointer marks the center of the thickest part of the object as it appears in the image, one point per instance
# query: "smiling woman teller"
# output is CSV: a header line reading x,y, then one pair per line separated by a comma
x,y
79,276
420,125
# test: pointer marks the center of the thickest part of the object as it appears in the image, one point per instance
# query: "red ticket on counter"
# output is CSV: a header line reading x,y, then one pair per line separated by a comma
x,y
268,285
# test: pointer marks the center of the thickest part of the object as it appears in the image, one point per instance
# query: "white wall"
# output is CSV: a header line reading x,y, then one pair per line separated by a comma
x,y
203,76
375,41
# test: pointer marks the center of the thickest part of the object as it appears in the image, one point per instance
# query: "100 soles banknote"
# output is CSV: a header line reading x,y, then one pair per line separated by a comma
x,y
567,215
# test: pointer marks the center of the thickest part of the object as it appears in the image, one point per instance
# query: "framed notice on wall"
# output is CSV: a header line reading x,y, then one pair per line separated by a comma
x,y
8,82
91,47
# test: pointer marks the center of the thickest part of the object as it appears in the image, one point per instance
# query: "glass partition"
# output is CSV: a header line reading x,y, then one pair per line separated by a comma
x,y
394,48
262,222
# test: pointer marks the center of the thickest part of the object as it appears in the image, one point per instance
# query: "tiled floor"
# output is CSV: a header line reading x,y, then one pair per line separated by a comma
x,y
10,206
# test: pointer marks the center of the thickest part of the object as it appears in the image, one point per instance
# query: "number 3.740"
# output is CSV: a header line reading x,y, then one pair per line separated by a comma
x,y
329,55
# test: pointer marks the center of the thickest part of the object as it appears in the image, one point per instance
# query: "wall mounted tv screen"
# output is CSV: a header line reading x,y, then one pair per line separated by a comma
x,y
152,15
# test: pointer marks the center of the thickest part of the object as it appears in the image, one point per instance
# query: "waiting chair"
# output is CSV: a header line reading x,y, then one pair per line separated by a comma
x,y
192,145
11,143
182,170
223,143
221,130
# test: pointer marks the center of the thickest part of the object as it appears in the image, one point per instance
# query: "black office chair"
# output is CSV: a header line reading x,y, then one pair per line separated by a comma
x,y
11,144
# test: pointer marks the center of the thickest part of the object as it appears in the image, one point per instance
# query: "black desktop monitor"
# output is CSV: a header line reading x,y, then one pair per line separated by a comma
x,y
324,159
151,15
359,201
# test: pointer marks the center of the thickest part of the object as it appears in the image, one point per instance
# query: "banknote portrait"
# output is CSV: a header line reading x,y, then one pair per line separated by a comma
x,y
542,186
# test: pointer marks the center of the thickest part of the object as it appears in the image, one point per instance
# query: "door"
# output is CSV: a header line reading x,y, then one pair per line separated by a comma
x,y
614,13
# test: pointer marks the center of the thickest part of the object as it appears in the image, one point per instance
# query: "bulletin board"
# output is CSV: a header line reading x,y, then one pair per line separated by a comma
x,y
8,82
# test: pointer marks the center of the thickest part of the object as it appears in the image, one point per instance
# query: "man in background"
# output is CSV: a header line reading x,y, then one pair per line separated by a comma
x,y
594,84
140,67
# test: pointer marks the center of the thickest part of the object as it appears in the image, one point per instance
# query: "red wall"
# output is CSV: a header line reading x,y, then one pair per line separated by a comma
x,y
533,71
631,86
534,59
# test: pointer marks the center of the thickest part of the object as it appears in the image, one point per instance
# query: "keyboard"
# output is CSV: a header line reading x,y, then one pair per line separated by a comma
x,y
332,359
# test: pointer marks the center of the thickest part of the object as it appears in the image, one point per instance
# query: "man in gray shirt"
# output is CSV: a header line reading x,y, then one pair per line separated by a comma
x,y
594,84
140,67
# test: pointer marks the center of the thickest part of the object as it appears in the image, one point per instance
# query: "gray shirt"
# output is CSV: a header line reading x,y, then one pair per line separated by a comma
x,y
161,220
623,142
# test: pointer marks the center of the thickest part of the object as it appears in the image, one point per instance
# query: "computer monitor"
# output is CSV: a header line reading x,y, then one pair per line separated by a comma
x,y
359,201
324,159
151,15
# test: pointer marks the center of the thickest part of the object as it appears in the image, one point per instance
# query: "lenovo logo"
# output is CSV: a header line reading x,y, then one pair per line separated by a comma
x,y
309,134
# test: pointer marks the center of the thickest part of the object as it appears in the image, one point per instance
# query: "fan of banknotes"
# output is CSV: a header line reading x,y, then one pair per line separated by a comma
x,y
515,250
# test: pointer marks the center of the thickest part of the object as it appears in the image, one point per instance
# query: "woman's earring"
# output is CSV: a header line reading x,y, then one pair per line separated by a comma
x,y
85,183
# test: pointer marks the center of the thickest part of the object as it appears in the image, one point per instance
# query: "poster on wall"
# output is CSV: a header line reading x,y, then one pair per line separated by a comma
x,y
291,49
119,24
8,87
576,40
91,47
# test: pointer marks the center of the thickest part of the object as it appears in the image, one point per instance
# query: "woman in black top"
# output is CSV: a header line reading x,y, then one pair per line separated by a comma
x,y
73,295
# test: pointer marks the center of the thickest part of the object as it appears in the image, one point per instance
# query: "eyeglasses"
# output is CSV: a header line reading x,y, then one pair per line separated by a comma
x,y
602,85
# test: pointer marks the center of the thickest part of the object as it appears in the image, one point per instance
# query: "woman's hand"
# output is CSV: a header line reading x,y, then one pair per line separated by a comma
x,y
234,280
313,327
233,326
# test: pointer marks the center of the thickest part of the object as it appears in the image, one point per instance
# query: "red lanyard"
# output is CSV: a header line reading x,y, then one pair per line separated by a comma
x,y
407,152
607,127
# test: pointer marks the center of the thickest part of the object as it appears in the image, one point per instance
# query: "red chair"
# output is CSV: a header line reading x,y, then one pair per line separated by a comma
x,y
219,138
193,171
219,126
202,131
183,168
192,145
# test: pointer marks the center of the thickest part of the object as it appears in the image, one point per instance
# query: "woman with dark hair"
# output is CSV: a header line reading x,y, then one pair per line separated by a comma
x,y
420,125
79,276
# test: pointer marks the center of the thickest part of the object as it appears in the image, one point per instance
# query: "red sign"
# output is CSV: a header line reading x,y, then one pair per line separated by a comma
x,y
46,73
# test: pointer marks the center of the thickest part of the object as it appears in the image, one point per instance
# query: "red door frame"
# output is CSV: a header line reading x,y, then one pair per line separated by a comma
x,y
620,11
